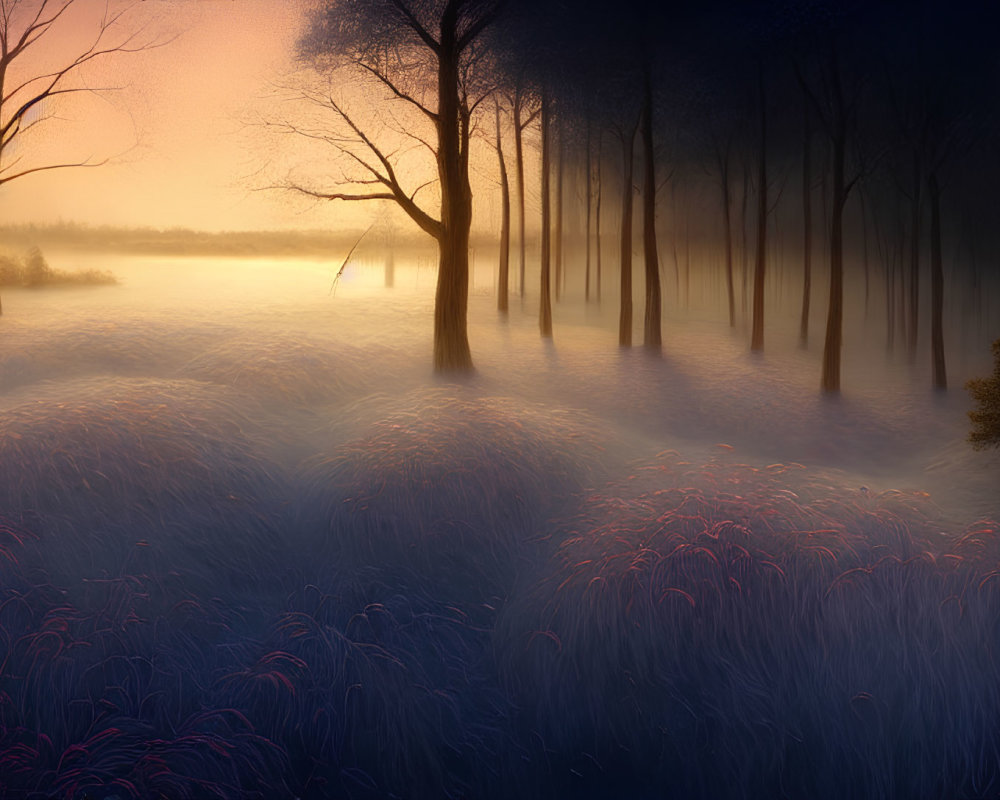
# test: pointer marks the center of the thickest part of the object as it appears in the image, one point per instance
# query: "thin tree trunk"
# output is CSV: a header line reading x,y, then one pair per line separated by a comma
x,y
625,313
890,306
545,302
597,219
586,289
835,314
503,279
937,286
914,317
757,337
390,269
726,203
652,335
806,223
864,250
830,381
885,258
744,248
519,166
557,253
687,261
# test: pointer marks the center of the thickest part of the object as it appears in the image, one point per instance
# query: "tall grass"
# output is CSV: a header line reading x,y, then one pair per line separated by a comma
x,y
110,470
729,631
451,486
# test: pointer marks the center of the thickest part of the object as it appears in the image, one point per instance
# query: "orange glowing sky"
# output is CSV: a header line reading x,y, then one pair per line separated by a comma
x,y
176,128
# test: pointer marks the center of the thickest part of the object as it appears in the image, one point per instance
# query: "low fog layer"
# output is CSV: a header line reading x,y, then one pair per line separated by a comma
x,y
252,547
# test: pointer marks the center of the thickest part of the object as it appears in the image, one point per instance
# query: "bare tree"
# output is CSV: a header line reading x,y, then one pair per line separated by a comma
x,y
760,264
652,336
545,278
626,135
426,56
503,281
525,109
29,93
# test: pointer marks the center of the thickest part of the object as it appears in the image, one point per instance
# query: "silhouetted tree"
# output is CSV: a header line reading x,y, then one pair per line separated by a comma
x,y
525,110
414,50
652,337
837,108
627,135
760,262
806,219
504,267
545,295
30,90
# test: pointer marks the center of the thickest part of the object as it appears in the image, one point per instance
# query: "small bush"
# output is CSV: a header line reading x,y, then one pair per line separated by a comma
x,y
10,271
985,419
36,269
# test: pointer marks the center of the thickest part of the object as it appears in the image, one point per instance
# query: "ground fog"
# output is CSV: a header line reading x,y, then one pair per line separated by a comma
x,y
250,547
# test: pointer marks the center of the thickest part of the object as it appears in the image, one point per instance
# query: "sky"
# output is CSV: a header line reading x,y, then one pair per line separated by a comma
x,y
177,127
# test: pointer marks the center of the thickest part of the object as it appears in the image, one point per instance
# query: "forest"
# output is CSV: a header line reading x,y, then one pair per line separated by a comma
x,y
631,430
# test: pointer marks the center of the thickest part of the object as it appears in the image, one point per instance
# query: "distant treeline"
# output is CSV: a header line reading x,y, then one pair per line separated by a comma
x,y
34,270
178,241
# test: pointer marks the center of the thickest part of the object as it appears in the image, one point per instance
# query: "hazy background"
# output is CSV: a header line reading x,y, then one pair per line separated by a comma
x,y
175,126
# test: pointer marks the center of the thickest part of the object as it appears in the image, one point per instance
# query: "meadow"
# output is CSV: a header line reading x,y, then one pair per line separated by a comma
x,y
251,548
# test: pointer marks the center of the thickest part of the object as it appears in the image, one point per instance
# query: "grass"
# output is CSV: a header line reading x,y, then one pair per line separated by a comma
x,y
108,471
459,594
283,369
728,631
453,488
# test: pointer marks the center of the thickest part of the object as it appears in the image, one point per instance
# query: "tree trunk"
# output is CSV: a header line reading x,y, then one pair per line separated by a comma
x,y
937,286
519,166
728,236
652,336
864,250
451,340
687,261
914,317
545,301
625,314
835,314
901,286
503,279
587,204
597,222
806,224
757,336
390,269
744,249
557,254
890,305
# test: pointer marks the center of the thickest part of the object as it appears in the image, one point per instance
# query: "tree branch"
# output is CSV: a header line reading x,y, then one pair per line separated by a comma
x,y
397,91
416,27
7,178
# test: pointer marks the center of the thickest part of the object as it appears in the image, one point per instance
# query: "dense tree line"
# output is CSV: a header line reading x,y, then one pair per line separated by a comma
x,y
881,116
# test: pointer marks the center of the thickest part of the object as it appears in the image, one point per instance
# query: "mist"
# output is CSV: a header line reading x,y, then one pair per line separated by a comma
x,y
254,547
490,400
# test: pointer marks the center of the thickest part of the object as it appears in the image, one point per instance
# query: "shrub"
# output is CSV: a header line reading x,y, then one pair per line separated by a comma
x,y
11,273
985,419
36,269
35,272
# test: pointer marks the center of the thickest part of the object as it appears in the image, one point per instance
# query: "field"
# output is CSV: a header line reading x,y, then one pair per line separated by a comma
x,y
251,548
